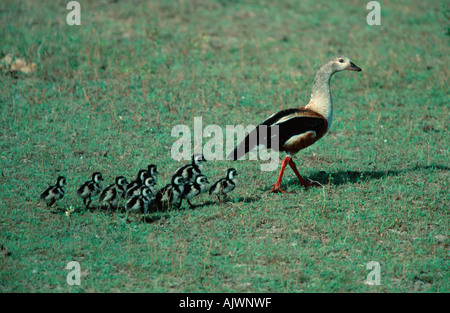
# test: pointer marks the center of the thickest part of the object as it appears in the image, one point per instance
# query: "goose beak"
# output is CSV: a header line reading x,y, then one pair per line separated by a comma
x,y
353,67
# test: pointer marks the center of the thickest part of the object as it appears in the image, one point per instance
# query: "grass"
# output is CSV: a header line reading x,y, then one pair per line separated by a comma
x,y
105,95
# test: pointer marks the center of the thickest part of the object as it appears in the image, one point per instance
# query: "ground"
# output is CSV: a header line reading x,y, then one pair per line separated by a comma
x,y
105,96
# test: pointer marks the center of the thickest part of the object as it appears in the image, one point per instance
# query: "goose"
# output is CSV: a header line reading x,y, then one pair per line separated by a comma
x,y
193,189
90,189
136,183
190,171
148,181
298,128
139,203
224,185
152,169
113,192
54,192
121,185
170,194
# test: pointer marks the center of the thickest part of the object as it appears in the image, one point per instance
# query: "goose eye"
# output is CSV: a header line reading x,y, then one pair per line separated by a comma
x,y
341,60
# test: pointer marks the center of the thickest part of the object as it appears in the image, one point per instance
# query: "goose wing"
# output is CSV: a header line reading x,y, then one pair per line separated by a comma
x,y
286,130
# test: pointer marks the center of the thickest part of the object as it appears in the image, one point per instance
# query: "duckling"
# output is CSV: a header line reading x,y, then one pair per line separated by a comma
x,y
191,171
224,185
90,189
55,192
192,189
139,203
122,186
148,181
152,169
170,194
113,192
136,184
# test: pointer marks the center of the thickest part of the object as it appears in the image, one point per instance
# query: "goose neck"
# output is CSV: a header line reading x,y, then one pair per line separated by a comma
x,y
321,101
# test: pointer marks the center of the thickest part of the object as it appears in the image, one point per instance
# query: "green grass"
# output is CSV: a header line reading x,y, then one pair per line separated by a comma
x,y
105,96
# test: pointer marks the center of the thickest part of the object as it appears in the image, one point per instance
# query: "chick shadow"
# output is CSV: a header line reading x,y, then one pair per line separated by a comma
x,y
155,217
158,215
229,200
352,177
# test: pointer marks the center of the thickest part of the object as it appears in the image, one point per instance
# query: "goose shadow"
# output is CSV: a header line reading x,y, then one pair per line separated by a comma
x,y
352,177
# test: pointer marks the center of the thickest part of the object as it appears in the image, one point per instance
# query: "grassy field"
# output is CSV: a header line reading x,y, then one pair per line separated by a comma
x,y
104,96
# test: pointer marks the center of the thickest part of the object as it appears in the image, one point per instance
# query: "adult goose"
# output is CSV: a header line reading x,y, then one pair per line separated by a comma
x,y
295,129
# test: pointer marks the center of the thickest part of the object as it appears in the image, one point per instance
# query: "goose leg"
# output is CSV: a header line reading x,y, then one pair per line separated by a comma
x,y
277,186
300,178
89,200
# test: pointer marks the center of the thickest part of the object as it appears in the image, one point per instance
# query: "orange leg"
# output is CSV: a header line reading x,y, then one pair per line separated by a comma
x,y
288,160
300,178
277,186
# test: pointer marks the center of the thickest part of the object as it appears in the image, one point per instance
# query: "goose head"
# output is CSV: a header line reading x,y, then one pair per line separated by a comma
x,y
178,180
97,177
145,192
149,181
231,173
142,174
342,63
197,159
201,180
121,181
152,169
61,181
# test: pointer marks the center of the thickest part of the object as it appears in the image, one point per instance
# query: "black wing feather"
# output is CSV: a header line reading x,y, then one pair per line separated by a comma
x,y
280,132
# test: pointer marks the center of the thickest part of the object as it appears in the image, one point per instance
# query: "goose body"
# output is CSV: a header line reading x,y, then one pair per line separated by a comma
x,y
193,189
295,129
224,185
55,192
190,171
113,192
90,188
